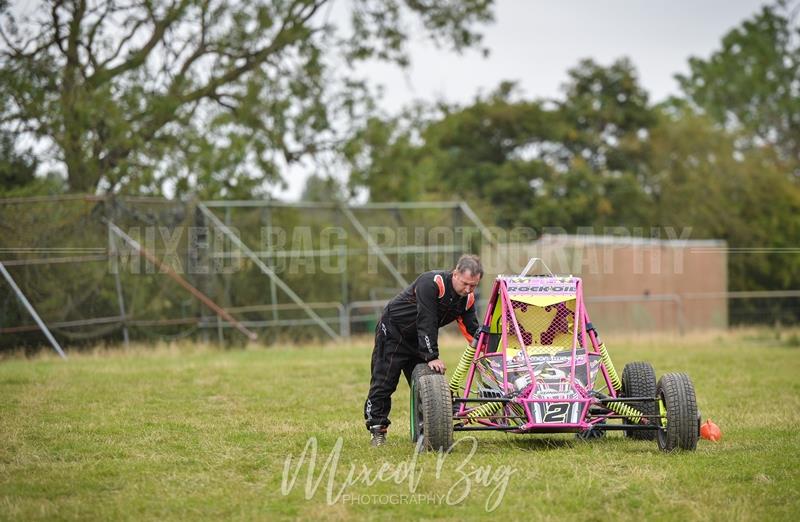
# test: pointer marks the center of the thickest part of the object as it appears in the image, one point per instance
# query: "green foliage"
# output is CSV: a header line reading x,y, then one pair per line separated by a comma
x,y
700,180
603,156
752,82
526,163
50,185
607,112
201,95
741,177
18,172
385,156
323,190
15,169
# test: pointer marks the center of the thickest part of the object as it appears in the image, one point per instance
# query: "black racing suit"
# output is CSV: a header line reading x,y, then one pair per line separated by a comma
x,y
407,335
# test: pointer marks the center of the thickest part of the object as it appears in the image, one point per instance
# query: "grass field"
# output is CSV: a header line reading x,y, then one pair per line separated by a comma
x,y
192,432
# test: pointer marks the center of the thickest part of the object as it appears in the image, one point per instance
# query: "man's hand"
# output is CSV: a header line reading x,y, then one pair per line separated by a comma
x,y
437,365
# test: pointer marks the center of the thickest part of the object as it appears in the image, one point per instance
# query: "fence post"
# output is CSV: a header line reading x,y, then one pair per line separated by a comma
x,y
118,285
273,291
345,325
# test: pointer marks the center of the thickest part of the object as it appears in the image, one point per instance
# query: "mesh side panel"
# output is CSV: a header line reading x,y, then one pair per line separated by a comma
x,y
549,327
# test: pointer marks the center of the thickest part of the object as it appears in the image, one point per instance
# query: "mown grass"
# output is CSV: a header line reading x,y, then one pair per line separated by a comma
x,y
192,432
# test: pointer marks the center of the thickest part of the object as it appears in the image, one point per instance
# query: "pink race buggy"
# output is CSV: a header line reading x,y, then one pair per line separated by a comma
x,y
537,365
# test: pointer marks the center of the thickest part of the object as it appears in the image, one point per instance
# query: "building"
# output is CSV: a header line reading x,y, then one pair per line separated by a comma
x,y
631,283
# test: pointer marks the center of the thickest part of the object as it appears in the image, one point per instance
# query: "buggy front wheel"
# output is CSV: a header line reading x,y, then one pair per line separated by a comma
x,y
678,424
431,409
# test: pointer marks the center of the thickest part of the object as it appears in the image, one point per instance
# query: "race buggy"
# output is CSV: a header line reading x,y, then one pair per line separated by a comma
x,y
537,365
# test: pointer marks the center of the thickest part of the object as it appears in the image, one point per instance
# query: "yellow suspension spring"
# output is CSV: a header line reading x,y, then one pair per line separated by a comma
x,y
628,411
520,411
484,410
612,373
460,373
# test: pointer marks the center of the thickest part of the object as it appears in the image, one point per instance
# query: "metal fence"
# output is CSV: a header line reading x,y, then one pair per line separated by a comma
x,y
117,269
88,269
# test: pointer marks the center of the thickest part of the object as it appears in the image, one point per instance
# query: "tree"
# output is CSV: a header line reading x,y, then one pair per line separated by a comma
x,y
608,119
455,152
752,83
323,189
608,113
15,169
222,95
703,182
384,156
575,162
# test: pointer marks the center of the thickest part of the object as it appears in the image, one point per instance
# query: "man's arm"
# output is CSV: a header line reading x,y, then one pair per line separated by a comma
x,y
427,319
470,318
468,322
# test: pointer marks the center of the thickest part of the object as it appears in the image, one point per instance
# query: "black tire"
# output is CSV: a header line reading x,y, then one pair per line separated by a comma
x,y
591,433
431,410
415,421
676,391
639,380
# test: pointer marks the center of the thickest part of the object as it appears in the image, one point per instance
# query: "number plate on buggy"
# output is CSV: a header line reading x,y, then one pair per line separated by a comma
x,y
556,412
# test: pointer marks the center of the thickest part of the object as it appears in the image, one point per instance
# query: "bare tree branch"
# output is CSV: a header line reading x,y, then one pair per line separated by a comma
x,y
202,47
122,43
16,50
57,38
73,39
91,35
138,57
285,37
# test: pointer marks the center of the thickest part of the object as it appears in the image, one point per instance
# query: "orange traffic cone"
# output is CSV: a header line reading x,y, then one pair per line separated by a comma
x,y
710,431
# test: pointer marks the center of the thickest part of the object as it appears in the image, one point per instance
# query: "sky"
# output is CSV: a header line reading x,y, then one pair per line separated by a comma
x,y
535,42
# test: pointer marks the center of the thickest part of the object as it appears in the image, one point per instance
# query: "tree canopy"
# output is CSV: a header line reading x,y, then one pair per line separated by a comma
x,y
522,161
602,156
752,82
201,94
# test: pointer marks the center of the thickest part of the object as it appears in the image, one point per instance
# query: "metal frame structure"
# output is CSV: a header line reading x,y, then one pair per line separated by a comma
x,y
115,230
266,270
347,311
224,319
346,210
32,311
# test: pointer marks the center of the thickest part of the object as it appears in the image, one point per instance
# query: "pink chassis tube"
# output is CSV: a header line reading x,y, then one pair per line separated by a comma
x,y
483,343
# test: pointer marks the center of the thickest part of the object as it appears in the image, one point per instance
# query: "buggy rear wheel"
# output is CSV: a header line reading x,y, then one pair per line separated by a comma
x,y
678,426
639,380
431,409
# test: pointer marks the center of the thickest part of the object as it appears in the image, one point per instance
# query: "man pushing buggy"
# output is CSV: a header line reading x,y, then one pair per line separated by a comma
x,y
408,331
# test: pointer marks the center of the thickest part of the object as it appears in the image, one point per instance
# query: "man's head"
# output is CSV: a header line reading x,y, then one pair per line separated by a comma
x,y
467,274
